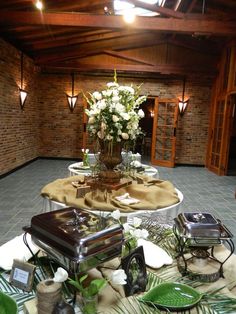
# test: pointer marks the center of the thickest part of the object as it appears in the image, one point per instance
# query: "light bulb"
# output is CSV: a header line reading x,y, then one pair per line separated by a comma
x,y
129,16
39,4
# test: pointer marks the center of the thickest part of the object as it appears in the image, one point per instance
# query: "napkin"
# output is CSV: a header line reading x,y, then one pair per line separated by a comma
x,y
126,199
155,256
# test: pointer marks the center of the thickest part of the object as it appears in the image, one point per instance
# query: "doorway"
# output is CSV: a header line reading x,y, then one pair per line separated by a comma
x,y
231,169
144,143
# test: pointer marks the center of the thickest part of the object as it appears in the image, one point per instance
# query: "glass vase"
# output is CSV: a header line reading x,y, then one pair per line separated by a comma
x,y
88,305
130,244
85,160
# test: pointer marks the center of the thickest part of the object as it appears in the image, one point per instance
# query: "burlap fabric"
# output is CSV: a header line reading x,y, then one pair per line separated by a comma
x,y
153,194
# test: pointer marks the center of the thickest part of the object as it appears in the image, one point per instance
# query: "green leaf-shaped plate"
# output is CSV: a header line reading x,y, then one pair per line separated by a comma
x,y
173,296
7,304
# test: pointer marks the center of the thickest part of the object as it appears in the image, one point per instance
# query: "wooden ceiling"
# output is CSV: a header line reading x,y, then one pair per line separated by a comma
x,y
77,35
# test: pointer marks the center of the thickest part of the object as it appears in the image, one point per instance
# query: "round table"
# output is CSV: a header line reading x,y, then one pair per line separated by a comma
x,y
77,168
171,211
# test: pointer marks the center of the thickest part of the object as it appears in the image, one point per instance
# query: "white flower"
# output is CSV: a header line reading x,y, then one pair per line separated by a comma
x,y
144,234
128,89
115,118
118,277
112,84
109,137
141,113
60,275
97,95
125,115
137,222
138,233
101,104
115,99
85,151
125,136
127,227
118,108
116,214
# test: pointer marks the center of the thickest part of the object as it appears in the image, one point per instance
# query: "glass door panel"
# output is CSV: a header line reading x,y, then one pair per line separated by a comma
x,y
164,132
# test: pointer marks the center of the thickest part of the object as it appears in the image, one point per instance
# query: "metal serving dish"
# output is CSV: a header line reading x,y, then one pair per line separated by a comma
x,y
202,227
75,238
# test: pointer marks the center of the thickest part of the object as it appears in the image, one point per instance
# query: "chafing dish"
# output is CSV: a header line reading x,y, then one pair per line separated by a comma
x,y
197,235
202,228
75,238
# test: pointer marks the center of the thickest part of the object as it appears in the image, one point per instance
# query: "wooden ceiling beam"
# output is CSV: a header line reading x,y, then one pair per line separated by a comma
x,y
159,68
49,32
187,26
126,57
91,49
78,5
74,39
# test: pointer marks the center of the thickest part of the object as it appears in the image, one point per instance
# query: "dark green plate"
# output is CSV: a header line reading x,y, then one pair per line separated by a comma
x,y
7,304
173,296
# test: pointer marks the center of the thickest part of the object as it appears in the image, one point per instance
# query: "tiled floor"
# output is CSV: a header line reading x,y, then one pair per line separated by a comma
x,y
20,193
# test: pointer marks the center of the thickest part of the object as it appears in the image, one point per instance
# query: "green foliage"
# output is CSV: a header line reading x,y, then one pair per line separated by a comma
x,y
91,289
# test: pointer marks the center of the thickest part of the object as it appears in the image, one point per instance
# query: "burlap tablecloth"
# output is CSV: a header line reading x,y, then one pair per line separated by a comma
x,y
153,194
113,296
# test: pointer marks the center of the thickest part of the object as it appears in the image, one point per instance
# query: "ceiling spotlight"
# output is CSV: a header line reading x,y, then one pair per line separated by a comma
x,y
39,5
106,11
129,16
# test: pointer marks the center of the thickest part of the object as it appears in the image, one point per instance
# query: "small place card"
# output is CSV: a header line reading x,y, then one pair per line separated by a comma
x,y
22,275
82,190
139,180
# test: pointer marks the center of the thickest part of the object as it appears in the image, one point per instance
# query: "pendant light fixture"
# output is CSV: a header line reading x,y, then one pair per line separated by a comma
x,y
183,103
73,98
23,93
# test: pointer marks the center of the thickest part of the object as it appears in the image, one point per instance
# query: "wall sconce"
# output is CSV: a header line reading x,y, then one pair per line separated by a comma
x,y
183,103
73,98
152,113
23,93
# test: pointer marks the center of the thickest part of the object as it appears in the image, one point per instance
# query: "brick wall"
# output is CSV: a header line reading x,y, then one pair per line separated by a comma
x,y
47,128
18,129
61,131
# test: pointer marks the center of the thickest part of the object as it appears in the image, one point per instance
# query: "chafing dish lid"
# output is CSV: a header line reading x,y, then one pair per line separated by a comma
x,y
70,230
199,224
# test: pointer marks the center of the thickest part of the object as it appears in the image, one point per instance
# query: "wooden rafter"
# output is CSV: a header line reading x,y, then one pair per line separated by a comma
x,y
74,39
126,57
187,26
158,68
91,49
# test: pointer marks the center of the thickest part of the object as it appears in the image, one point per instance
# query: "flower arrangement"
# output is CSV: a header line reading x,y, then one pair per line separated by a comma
x,y
114,112
90,291
132,232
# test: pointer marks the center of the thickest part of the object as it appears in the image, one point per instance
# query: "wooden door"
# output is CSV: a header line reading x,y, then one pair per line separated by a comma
x,y
220,135
164,132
